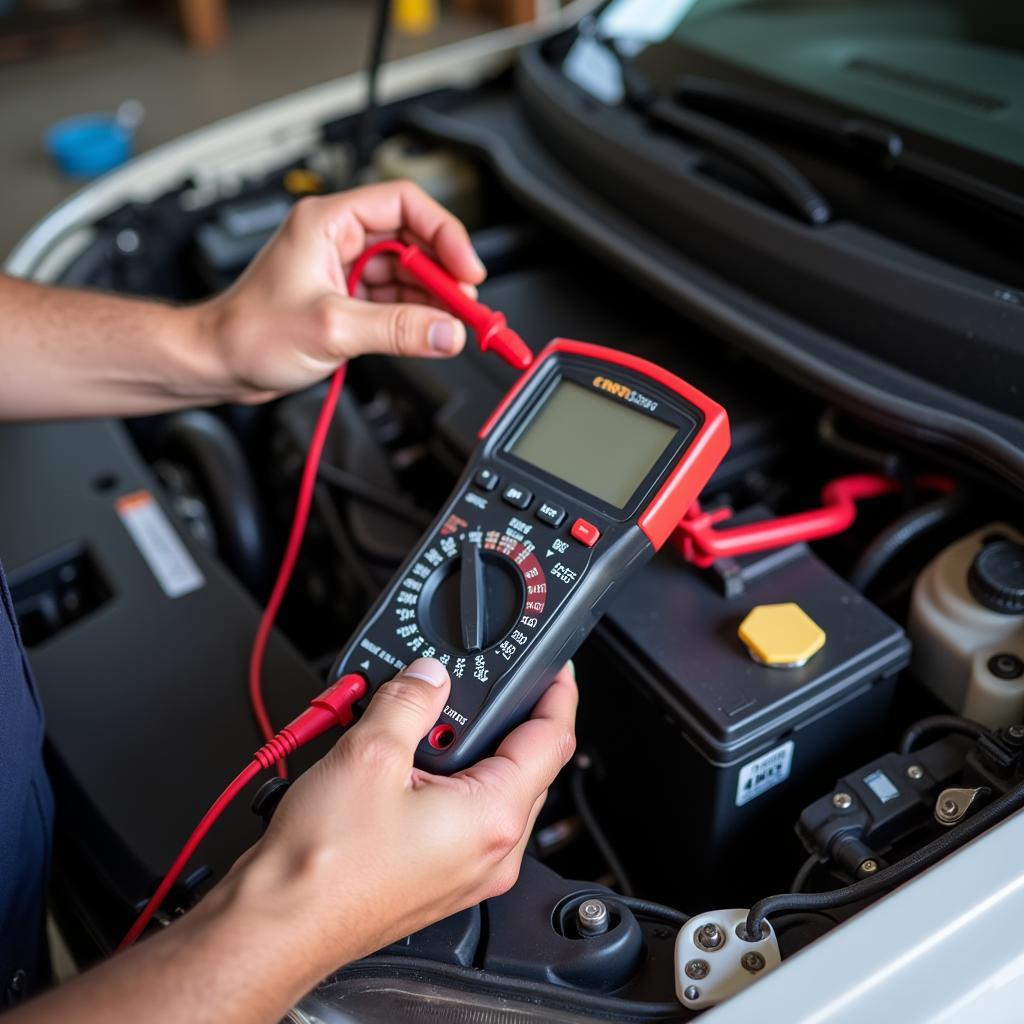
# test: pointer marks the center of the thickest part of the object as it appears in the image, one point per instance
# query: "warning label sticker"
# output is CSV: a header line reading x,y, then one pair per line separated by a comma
x,y
759,775
165,553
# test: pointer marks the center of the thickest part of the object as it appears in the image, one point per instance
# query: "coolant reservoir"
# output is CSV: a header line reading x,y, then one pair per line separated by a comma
x,y
967,626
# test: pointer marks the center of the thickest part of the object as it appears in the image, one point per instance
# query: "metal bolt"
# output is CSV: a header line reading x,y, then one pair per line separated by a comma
x,y
592,917
869,867
752,962
691,992
127,241
915,772
709,936
842,800
1016,732
697,969
950,806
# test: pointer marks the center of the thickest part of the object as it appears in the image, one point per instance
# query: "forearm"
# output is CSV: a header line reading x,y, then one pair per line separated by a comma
x,y
241,957
69,353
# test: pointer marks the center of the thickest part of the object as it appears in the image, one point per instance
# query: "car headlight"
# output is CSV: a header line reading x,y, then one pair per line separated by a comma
x,y
369,1000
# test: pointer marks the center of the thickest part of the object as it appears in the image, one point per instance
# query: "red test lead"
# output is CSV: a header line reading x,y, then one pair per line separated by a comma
x,y
493,334
331,709
334,706
700,541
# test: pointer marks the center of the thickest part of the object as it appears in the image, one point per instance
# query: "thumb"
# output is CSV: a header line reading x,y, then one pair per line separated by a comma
x,y
404,709
397,329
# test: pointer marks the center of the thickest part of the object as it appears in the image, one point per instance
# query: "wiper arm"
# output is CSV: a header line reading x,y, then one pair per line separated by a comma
x,y
799,194
873,140
743,149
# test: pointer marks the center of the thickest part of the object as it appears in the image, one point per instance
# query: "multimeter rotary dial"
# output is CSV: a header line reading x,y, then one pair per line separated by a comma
x,y
474,599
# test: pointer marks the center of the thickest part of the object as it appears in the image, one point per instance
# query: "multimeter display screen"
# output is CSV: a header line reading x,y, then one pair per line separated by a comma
x,y
593,442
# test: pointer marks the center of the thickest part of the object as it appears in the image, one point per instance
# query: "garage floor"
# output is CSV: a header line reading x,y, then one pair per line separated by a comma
x,y
273,49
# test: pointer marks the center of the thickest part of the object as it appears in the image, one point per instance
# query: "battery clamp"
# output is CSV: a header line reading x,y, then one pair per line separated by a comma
x,y
715,960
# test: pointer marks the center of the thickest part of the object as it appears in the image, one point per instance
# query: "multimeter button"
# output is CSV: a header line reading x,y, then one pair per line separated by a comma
x,y
517,497
486,479
550,514
586,533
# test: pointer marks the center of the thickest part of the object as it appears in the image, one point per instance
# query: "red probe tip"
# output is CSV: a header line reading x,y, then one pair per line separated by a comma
x,y
507,345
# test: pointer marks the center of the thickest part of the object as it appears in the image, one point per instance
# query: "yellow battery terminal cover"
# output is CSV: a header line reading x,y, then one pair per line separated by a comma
x,y
781,635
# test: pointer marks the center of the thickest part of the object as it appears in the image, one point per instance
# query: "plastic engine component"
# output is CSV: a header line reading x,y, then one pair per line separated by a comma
x,y
968,645
713,962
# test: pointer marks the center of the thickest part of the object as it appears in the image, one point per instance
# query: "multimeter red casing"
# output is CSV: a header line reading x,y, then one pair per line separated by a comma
x,y
562,551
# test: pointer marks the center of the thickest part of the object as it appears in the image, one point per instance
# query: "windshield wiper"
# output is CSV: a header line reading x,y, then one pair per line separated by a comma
x,y
870,139
758,159
873,142
789,183
877,144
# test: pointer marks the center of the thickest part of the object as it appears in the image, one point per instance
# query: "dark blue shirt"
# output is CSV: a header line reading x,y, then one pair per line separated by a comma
x,y
26,816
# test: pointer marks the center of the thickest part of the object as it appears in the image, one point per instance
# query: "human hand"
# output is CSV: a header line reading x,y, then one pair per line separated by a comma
x,y
365,849
288,321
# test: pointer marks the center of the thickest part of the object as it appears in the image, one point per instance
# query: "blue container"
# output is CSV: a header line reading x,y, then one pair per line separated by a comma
x,y
89,144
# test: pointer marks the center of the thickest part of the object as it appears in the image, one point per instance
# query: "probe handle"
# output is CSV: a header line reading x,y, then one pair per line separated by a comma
x,y
492,331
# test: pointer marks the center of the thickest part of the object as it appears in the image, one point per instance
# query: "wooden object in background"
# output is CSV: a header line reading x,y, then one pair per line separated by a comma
x,y
204,22
511,12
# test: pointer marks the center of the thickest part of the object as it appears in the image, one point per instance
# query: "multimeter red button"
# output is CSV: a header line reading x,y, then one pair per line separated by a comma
x,y
486,479
586,533
550,514
517,497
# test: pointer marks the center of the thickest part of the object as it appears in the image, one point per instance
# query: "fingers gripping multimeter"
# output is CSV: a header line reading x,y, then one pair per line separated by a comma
x,y
580,475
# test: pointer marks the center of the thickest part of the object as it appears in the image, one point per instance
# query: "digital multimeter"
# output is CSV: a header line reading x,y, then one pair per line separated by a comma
x,y
581,474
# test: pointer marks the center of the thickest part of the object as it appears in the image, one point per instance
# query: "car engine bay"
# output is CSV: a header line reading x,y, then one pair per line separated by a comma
x,y
714,769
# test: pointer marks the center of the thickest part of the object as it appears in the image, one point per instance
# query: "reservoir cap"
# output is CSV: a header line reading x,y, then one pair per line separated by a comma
x,y
996,577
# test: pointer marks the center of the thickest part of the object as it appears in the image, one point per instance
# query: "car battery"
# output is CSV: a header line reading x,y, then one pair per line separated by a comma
x,y
703,757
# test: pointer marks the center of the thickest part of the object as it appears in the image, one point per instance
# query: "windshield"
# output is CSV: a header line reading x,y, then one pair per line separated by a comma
x,y
950,70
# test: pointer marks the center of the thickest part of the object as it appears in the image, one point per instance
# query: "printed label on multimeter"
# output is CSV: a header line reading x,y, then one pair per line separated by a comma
x,y
582,473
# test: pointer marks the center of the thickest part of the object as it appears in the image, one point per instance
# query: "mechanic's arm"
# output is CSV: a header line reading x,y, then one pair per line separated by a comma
x,y
287,323
363,850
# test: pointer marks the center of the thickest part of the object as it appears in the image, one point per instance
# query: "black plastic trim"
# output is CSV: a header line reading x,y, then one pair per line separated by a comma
x,y
493,126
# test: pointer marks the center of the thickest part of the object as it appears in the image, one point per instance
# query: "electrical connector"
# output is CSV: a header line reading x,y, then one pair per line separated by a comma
x,y
333,708
715,959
